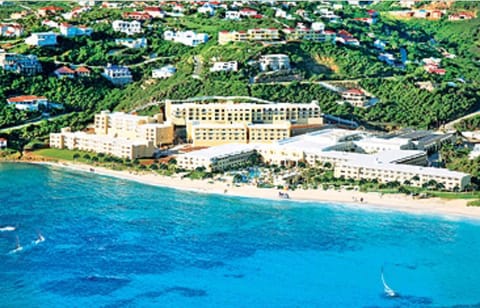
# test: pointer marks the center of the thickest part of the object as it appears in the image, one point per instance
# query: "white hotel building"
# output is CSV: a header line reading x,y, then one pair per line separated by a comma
x,y
335,146
118,134
118,147
216,158
388,172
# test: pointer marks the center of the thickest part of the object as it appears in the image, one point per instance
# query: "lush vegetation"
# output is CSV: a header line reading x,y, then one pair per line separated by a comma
x,y
468,124
401,102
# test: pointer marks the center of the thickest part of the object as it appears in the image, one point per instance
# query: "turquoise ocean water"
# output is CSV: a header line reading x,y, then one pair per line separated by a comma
x,y
114,243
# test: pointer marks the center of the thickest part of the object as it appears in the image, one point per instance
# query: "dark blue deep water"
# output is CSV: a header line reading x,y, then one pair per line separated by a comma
x,y
114,243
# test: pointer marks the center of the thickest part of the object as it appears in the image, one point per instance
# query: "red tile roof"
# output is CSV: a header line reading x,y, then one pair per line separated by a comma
x,y
153,9
51,8
65,70
82,69
24,98
354,91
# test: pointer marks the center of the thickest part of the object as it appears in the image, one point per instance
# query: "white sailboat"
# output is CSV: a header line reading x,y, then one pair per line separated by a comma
x,y
17,247
388,291
39,239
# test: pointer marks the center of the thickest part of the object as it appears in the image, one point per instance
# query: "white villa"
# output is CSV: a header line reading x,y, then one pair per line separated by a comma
x,y
118,75
132,43
274,62
189,38
28,102
11,29
68,30
231,66
42,39
232,15
128,27
164,72
21,64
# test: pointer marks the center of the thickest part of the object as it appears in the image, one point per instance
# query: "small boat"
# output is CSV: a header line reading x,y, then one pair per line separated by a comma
x,y
39,239
388,291
7,229
17,247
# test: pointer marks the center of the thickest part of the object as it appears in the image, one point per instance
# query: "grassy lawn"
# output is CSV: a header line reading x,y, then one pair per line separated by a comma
x,y
455,195
62,154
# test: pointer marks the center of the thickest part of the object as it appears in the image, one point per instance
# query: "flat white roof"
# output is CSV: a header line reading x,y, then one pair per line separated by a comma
x,y
162,125
391,156
196,124
105,138
318,140
284,125
375,141
233,105
220,151
126,116
441,172
383,156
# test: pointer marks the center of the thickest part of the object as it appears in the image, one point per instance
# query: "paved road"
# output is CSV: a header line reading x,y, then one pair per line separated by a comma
x,y
450,125
34,122
101,66
202,98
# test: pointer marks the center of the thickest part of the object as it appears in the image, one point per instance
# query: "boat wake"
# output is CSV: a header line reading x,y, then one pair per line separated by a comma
x,y
388,291
19,248
7,229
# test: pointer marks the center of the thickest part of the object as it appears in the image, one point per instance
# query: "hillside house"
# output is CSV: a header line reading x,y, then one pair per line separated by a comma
x,y
127,27
189,38
164,72
274,62
117,75
154,11
231,66
21,64
11,29
69,30
42,39
49,11
28,102
355,97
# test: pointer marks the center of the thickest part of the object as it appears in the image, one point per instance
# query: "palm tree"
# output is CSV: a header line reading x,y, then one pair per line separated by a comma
x,y
440,186
237,178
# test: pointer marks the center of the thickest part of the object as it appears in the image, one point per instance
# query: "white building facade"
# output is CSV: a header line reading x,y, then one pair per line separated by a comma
x,y
42,39
128,27
189,38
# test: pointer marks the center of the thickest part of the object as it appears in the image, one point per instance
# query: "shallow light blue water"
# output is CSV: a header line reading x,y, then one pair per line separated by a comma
x,y
114,243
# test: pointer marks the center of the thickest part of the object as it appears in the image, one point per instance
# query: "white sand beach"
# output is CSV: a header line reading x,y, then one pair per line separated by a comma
x,y
376,201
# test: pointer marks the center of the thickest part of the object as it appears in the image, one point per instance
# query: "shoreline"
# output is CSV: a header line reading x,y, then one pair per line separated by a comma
x,y
371,200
